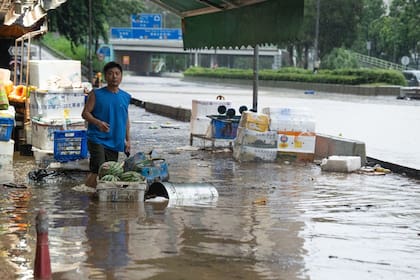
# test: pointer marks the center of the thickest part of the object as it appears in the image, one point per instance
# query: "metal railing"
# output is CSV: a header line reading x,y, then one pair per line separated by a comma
x,y
371,61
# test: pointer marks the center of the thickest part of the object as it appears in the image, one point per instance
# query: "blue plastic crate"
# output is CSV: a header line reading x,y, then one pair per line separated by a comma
x,y
224,128
156,172
6,128
70,145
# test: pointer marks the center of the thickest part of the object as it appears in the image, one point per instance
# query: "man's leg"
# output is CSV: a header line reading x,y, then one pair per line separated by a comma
x,y
97,157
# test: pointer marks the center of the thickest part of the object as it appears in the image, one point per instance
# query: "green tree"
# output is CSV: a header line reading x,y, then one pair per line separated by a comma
x,y
407,39
71,19
338,24
339,58
373,11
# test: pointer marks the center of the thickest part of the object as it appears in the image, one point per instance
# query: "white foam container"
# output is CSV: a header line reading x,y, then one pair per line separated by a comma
x,y
6,161
202,108
57,103
199,125
343,164
42,133
54,74
4,75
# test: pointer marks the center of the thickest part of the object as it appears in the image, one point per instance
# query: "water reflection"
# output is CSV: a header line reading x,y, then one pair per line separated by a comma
x,y
314,225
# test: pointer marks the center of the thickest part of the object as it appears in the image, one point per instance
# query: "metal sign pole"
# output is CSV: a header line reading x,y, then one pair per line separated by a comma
x,y
255,82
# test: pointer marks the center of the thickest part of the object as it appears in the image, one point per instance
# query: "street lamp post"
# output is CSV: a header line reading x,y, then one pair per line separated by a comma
x,y
90,77
316,31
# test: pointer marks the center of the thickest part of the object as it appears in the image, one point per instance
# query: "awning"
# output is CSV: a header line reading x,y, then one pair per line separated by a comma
x,y
236,23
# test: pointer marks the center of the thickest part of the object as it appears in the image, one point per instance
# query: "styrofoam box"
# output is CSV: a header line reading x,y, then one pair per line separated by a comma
x,y
43,158
6,161
287,112
4,75
246,153
341,163
43,132
57,103
202,108
200,125
53,74
251,138
9,113
292,125
297,142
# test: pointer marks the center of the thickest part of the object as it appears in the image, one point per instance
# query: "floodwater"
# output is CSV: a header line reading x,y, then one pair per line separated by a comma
x,y
313,225
385,124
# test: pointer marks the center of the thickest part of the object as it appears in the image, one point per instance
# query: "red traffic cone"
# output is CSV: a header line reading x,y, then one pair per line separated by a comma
x,y
42,270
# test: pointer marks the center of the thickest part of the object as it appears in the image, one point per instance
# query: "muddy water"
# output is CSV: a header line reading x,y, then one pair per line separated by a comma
x,y
314,225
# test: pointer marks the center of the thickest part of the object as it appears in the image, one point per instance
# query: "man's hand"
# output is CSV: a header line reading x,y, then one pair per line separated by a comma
x,y
103,126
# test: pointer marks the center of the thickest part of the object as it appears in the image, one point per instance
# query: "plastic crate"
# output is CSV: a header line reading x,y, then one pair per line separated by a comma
x,y
121,191
224,127
70,145
156,172
6,128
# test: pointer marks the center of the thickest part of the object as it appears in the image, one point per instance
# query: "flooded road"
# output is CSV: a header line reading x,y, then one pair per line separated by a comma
x,y
313,225
386,125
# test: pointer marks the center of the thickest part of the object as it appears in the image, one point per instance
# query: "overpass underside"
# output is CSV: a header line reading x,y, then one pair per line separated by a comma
x,y
143,57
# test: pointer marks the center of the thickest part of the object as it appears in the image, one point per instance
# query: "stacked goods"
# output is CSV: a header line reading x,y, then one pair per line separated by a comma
x,y
7,123
56,101
295,128
253,141
6,161
200,123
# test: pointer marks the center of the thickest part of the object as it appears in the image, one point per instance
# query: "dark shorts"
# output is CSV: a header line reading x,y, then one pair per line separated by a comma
x,y
99,155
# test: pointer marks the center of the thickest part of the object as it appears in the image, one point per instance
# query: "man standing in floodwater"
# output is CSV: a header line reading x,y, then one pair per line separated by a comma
x,y
106,111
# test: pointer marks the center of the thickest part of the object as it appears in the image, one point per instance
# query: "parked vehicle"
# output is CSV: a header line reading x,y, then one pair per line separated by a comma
x,y
412,77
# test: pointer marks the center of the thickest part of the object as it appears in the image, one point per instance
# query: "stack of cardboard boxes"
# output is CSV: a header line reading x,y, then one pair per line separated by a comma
x,y
276,132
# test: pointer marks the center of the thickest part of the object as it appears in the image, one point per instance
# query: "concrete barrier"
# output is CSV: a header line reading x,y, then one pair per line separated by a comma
x,y
176,113
334,88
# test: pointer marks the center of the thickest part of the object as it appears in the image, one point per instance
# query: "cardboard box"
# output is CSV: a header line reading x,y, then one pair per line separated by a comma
x,y
252,138
298,142
254,121
245,153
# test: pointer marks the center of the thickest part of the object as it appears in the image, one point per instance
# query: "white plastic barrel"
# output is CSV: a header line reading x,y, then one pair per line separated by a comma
x,y
184,193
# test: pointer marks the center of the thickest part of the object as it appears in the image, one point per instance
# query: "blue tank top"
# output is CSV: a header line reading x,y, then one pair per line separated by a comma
x,y
111,108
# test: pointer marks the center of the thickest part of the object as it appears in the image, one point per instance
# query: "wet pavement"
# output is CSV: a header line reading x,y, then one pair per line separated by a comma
x,y
385,124
280,220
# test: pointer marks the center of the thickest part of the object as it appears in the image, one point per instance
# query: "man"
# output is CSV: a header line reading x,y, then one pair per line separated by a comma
x,y
106,111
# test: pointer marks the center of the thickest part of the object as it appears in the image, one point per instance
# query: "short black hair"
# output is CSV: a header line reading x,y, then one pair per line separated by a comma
x,y
112,64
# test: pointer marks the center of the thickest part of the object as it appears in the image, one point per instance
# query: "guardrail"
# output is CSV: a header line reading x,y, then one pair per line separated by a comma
x,y
378,63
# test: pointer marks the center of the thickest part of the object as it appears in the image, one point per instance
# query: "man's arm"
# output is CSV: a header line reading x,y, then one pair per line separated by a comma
x,y
127,136
87,113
